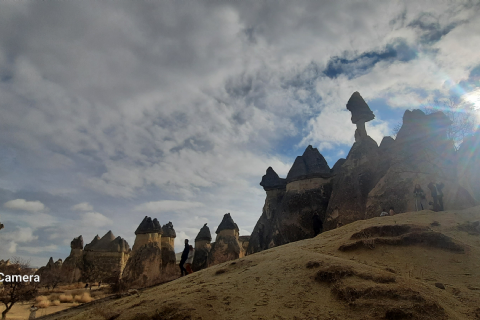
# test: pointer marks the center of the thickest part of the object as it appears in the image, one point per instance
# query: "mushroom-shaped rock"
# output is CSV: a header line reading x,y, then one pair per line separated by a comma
x,y
77,243
271,180
91,244
227,224
148,226
204,234
168,230
359,108
310,164
361,113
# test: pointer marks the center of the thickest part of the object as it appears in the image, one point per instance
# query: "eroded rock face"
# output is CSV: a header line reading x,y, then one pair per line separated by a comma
x,y
144,267
72,268
202,249
288,213
227,246
148,231
169,261
468,167
105,258
351,185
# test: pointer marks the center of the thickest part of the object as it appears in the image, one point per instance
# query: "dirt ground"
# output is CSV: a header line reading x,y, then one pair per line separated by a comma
x,y
418,265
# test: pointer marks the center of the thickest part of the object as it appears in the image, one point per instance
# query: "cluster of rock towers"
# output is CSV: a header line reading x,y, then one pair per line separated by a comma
x,y
371,178
152,257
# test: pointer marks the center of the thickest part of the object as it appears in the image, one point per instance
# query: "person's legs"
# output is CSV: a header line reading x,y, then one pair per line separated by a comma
x,y
440,202
182,268
188,267
435,203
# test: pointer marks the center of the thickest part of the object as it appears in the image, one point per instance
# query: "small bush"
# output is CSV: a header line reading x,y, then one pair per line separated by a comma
x,y
84,298
66,298
41,298
54,297
56,302
43,304
77,292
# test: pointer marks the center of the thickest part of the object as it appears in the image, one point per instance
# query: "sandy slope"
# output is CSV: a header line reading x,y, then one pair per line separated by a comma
x,y
388,272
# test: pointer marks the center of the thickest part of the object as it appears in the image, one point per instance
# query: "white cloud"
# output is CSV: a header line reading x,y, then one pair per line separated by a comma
x,y
95,220
167,205
22,204
12,247
40,249
84,206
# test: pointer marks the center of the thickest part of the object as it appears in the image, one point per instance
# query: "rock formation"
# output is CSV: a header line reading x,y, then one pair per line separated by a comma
x,y
144,267
361,113
288,211
227,245
202,249
370,179
72,268
148,231
105,258
168,251
1,226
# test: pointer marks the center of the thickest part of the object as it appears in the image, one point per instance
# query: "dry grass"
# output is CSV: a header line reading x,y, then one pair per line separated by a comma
x,y
43,304
41,298
220,271
56,302
83,298
66,298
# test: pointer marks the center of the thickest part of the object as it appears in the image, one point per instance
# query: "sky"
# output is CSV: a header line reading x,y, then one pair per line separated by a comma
x,y
114,110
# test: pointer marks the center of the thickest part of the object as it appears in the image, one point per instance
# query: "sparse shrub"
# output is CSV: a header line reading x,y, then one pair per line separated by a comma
x,y
41,298
56,302
66,298
54,297
77,292
84,298
43,304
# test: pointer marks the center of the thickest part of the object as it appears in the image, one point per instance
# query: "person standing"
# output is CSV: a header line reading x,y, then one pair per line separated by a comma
x,y
189,261
317,224
184,258
391,212
420,200
437,195
33,312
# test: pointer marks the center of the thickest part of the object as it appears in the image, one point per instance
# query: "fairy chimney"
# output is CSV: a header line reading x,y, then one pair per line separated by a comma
x,y
148,231
202,248
361,113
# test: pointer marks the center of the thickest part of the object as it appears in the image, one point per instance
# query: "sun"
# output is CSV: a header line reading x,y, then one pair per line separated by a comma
x,y
473,98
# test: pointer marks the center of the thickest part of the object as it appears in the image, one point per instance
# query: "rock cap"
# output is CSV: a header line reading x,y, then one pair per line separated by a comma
x,y
204,234
271,180
309,165
77,243
359,109
149,226
168,230
227,224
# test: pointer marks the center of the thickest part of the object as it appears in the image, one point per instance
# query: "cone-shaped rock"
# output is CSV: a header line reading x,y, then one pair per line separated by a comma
x,y
359,109
168,230
311,163
204,234
91,244
227,224
271,180
50,263
148,226
77,243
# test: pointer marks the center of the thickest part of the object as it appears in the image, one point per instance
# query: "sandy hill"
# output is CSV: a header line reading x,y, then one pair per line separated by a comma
x,y
417,265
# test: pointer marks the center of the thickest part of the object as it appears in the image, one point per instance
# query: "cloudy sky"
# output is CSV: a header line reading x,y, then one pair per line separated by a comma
x,y
113,110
